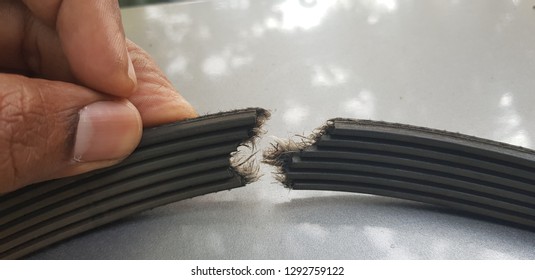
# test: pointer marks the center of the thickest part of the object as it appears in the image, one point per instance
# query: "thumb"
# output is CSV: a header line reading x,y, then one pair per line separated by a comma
x,y
51,129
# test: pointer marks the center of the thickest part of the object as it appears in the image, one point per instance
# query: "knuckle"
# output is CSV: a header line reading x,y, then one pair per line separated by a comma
x,y
24,126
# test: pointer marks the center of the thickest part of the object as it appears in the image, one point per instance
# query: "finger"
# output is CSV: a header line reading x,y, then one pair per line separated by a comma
x,y
45,10
41,47
43,54
92,37
54,129
155,98
11,31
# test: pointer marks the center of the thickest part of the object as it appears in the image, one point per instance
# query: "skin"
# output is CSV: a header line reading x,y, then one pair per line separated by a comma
x,y
56,58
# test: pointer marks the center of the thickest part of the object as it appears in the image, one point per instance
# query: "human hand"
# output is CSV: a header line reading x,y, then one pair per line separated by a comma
x,y
74,92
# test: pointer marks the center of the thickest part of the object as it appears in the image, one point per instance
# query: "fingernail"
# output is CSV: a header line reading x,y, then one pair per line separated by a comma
x,y
107,130
131,71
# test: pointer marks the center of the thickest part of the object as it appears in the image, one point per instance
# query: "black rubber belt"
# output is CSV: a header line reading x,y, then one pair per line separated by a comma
x,y
476,175
172,162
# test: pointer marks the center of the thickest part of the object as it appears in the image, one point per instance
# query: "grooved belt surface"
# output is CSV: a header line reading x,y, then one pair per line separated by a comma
x,y
480,176
172,162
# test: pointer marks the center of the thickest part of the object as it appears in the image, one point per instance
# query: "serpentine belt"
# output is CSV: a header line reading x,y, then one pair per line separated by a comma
x,y
476,175
172,162
198,156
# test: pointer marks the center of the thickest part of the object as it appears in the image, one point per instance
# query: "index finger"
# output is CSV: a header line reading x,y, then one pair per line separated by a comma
x,y
93,40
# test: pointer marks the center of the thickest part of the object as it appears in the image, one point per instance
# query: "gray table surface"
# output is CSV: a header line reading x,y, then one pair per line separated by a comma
x,y
464,66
